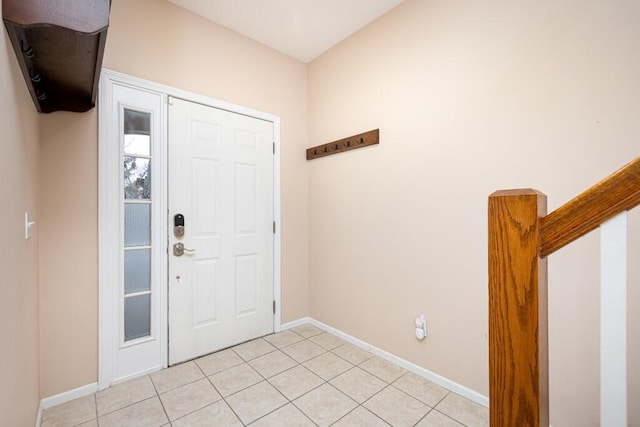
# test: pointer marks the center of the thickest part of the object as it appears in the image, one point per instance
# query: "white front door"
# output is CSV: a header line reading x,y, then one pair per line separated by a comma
x,y
221,186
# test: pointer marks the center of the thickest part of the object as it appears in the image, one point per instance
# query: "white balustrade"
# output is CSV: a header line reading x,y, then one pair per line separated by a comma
x,y
613,322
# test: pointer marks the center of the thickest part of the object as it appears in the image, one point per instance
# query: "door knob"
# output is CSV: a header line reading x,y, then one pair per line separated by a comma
x,y
179,249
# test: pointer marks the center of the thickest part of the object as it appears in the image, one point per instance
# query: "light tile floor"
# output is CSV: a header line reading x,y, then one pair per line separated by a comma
x,y
300,377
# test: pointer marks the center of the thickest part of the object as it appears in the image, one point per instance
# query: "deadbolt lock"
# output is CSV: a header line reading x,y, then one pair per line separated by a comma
x,y
178,225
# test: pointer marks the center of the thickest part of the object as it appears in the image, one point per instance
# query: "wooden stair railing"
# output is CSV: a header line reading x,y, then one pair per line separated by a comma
x,y
521,236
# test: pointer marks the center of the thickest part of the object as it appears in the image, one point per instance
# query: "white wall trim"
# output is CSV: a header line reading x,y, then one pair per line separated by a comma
x,y
412,367
68,396
277,238
137,375
39,417
296,323
106,256
105,368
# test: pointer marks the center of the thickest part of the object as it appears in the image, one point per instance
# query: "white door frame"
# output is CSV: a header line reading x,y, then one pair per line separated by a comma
x,y
109,227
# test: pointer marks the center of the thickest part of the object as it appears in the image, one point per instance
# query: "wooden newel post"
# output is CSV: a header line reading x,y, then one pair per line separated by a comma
x,y
518,345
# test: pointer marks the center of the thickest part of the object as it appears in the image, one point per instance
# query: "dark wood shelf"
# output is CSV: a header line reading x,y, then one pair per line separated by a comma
x,y
59,45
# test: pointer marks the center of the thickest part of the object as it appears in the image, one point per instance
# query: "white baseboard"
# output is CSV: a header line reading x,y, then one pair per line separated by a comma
x,y
418,370
293,324
68,396
132,376
39,417
64,397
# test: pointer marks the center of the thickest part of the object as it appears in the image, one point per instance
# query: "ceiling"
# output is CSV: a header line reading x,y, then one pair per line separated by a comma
x,y
302,29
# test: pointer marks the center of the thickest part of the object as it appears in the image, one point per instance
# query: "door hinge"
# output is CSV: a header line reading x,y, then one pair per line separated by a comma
x,y
274,148
274,227
274,307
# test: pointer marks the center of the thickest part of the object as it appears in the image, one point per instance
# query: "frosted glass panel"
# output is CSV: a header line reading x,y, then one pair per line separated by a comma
x,y
137,178
137,122
137,271
137,317
137,224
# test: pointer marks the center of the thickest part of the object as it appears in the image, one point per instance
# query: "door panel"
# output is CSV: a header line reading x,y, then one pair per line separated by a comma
x,y
246,285
221,180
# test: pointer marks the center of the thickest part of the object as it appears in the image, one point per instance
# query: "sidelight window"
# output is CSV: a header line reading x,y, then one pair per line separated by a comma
x,y
137,183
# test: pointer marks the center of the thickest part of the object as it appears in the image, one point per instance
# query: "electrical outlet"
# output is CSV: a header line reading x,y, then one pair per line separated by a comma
x,y
421,327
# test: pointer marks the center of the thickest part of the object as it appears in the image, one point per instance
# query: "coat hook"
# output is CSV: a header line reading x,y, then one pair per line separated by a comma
x,y
41,96
28,51
35,77
361,140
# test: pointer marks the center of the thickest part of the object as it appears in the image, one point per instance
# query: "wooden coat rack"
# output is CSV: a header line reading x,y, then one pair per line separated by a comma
x,y
356,141
59,46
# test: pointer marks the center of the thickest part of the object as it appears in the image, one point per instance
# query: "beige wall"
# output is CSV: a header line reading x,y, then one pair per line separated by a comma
x,y
68,251
469,97
158,41
19,373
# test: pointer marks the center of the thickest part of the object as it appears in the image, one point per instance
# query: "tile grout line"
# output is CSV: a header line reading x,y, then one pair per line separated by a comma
x,y
358,404
388,385
344,358
181,385
446,415
424,416
300,364
133,404
451,418
160,400
443,397
264,379
215,389
222,397
130,404
232,410
95,400
300,409
352,366
272,411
